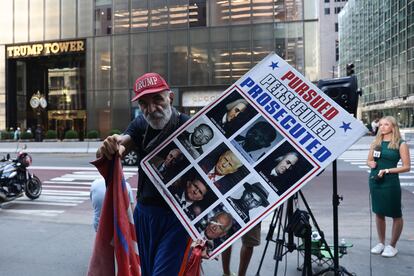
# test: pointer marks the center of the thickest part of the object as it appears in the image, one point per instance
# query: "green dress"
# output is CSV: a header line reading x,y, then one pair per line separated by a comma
x,y
386,193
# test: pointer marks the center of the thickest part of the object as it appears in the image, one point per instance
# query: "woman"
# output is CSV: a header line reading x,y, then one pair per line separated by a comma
x,y
386,150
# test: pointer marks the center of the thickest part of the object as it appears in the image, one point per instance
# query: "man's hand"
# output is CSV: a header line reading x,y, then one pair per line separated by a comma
x,y
110,146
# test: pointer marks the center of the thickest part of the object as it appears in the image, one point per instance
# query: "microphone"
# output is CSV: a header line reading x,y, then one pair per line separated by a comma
x,y
377,154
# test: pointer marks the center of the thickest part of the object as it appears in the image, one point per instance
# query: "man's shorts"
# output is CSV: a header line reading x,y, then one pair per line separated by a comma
x,y
252,238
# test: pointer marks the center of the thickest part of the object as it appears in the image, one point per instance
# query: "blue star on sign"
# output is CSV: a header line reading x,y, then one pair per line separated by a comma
x,y
345,126
274,65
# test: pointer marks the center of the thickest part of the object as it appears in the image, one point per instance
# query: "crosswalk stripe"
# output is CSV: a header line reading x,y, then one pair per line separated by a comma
x,y
67,186
44,213
44,203
65,183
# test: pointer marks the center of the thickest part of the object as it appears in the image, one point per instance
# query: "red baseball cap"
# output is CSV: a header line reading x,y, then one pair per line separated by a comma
x,y
149,83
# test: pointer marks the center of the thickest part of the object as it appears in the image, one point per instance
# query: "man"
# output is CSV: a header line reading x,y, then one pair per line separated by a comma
x,y
223,172
167,168
227,122
217,227
97,196
258,137
188,191
253,196
193,142
280,175
161,237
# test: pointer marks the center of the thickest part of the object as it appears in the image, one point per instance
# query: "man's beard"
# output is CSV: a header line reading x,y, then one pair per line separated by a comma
x,y
159,119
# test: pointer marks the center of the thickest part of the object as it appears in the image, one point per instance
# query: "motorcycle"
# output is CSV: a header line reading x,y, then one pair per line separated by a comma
x,y
15,179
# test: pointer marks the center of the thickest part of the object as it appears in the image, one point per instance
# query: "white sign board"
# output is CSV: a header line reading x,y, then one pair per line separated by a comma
x,y
248,151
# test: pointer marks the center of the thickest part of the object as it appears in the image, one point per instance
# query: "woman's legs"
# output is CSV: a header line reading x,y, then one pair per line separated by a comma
x,y
380,221
397,226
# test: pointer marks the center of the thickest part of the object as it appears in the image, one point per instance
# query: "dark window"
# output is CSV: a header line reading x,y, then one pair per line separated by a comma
x,y
336,50
337,9
198,13
327,10
326,1
336,27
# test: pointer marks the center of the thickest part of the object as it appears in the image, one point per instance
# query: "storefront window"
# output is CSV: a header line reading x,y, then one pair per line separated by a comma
x,y
220,55
68,18
120,105
21,17
178,49
52,24
240,52
262,36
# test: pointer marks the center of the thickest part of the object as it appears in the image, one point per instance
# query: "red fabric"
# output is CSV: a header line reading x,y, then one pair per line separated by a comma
x,y
115,251
193,267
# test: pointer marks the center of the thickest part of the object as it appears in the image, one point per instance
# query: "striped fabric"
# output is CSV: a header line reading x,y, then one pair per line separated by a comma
x,y
115,251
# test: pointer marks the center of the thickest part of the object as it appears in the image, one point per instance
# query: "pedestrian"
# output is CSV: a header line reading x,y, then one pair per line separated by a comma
x,y
17,133
38,133
384,184
374,126
97,196
162,239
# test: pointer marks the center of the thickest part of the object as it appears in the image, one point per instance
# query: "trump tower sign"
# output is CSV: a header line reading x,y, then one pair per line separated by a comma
x,y
248,151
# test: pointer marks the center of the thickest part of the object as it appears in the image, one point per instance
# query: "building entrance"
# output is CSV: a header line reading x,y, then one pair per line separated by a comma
x,y
60,79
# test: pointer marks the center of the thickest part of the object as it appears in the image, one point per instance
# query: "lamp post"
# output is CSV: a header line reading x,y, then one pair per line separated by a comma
x,y
38,103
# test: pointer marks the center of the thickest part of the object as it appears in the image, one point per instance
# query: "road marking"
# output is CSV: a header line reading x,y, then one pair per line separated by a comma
x,y
43,213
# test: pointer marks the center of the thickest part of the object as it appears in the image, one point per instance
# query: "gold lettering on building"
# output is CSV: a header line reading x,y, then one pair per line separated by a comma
x,y
44,49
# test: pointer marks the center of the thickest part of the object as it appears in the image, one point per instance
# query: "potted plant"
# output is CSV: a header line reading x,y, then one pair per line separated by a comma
x,y
26,137
71,136
92,135
51,136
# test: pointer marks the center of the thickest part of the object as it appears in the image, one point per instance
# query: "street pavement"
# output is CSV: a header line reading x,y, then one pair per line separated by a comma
x,y
61,243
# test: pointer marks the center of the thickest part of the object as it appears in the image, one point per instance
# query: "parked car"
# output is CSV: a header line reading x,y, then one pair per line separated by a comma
x,y
131,159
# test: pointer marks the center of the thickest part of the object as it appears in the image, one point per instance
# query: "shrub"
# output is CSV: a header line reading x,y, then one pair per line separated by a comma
x,y
114,131
51,134
92,134
5,135
71,134
26,135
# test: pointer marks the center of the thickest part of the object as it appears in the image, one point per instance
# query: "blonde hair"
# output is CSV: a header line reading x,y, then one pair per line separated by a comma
x,y
395,137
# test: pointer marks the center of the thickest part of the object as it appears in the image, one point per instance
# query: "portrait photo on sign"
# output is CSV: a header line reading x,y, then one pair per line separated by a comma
x,y
254,141
283,167
250,200
217,226
192,193
232,113
169,162
223,168
197,137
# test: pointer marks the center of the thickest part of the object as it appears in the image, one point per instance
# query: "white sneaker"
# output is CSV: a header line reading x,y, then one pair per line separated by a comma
x,y
389,251
378,248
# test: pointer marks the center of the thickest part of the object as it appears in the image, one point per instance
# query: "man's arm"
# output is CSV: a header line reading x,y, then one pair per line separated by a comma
x,y
117,143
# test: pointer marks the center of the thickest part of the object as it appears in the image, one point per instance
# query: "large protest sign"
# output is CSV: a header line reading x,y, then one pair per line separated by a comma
x,y
244,154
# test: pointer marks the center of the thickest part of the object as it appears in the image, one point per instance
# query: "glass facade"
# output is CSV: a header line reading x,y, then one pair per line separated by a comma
x,y
197,45
378,37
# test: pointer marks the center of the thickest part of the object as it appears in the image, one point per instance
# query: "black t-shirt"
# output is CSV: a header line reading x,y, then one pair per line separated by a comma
x,y
147,193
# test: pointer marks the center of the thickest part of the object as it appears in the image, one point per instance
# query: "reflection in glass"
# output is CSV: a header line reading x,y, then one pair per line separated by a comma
x,y
52,19
120,61
178,58
311,51
68,18
262,36
199,65
139,55
139,15
85,13
219,12
159,14
121,16
262,11
36,20
293,10
178,13
240,51
102,62
158,50
220,56
21,10
103,17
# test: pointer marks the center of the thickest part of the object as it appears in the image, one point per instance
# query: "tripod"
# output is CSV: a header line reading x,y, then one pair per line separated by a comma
x,y
288,229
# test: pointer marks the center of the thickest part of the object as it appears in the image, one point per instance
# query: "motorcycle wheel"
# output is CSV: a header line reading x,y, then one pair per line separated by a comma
x,y
33,188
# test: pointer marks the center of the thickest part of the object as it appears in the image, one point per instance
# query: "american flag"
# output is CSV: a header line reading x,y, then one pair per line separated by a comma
x,y
115,251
